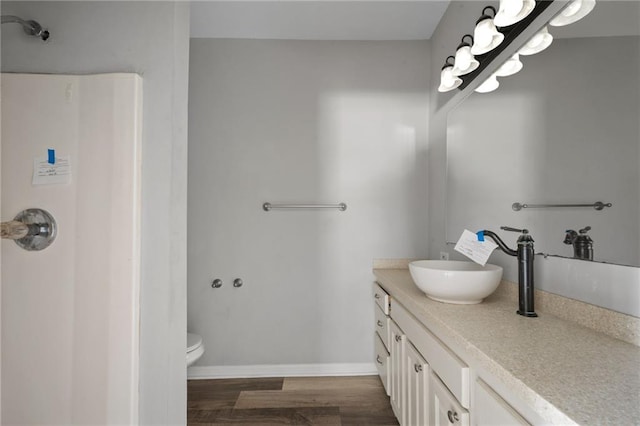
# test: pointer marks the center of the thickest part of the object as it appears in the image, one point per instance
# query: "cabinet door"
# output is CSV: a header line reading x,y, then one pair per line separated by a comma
x,y
445,410
397,343
417,388
382,362
491,410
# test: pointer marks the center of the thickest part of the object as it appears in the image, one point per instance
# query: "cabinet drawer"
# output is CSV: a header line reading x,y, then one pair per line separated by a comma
x,y
382,298
447,365
382,327
382,362
491,410
445,409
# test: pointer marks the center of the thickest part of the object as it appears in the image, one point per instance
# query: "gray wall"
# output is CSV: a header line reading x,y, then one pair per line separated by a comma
x,y
300,121
149,38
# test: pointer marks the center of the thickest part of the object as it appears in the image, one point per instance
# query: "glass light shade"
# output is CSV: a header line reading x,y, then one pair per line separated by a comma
x,y
489,85
485,37
448,81
465,62
510,67
537,43
513,11
573,12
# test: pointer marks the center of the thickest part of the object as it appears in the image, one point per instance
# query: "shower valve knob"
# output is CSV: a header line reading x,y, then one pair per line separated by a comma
x,y
217,283
237,282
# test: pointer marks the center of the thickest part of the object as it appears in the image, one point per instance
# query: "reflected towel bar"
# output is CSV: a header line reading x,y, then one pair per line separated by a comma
x,y
268,206
598,205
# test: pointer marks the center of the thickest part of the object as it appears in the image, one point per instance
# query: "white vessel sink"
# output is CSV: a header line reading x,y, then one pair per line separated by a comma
x,y
452,281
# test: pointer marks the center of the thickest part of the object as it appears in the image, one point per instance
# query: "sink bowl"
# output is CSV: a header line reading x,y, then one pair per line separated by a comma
x,y
453,281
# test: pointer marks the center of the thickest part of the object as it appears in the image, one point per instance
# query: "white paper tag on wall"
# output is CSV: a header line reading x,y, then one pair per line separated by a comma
x,y
478,251
45,173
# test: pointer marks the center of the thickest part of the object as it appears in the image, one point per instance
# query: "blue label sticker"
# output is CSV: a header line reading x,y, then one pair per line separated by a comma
x,y
480,235
51,153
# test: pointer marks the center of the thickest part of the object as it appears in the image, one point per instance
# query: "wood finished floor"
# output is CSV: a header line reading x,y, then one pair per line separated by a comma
x,y
289,401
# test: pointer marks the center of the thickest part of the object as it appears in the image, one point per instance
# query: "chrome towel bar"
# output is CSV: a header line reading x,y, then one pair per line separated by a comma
x,y
598,205
268,206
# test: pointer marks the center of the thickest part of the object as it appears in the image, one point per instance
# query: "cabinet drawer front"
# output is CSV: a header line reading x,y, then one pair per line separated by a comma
x,y
451,369
382,298
382,362
382,327
445,409
491,410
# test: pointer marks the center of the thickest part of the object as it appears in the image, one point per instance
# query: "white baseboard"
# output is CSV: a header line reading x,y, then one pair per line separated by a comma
x,y
279,370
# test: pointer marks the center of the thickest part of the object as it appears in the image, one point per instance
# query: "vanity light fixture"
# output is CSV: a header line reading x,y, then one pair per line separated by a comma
x,y
537,43
464,61
510,67
448,81
513,11
486,36
489,85
574,11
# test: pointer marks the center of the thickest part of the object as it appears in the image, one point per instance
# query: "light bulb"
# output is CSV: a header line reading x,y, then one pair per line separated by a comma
x,y
486,37
489,85
540,41
448,81
573,12
465,62
510,67
513,11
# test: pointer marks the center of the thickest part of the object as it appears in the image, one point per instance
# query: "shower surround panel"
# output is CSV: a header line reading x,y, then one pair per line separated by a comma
x,y
70,313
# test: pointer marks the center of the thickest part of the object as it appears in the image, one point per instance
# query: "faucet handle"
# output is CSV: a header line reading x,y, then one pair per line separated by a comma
x,y
508,228
585,230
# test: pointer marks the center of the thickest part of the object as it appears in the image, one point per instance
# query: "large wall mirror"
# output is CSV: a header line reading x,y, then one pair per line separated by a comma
x,y
564,130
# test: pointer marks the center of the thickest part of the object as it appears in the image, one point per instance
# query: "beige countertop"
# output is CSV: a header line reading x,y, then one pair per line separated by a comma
x,y
564,371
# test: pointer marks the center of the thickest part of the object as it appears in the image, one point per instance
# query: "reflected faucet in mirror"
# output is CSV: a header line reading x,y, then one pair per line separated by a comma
x,y
582,243
525,254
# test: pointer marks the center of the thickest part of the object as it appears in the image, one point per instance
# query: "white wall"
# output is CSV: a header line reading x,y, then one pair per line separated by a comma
x,y
300,122
149,38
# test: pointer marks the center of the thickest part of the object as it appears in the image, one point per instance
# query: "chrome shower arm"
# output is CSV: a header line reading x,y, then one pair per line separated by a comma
x,y
10,19
32,28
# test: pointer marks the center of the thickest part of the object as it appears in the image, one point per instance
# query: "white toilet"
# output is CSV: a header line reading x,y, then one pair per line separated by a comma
x,y
195,348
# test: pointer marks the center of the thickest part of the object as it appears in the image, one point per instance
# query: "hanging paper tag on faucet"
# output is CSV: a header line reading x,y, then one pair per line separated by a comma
x,y
478,251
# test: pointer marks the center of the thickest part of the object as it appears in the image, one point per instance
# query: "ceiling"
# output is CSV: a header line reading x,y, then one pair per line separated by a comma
x,y
317,20
370,20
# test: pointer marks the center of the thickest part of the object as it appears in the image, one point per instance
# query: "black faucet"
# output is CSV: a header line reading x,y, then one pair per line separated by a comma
x,y
525,255
582,243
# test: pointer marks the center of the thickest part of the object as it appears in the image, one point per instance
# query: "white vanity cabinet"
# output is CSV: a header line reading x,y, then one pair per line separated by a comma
x,y
428,383
491,409
397,372
416,395
382,335
445,408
